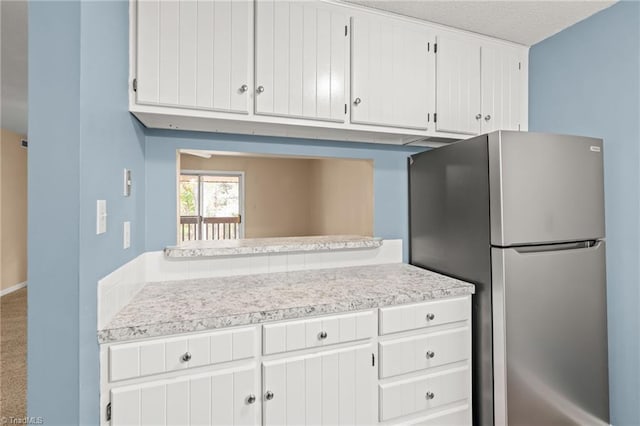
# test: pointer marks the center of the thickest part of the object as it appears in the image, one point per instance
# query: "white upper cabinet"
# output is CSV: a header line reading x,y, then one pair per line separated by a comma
x,y
480,86
319,69
194,54
301,49
458,85
502,86
392,73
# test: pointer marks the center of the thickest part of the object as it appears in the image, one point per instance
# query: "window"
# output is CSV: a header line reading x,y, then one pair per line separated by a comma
x,y
211,205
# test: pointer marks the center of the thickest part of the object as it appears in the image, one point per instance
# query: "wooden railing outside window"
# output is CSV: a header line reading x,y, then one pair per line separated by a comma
x,y
209,228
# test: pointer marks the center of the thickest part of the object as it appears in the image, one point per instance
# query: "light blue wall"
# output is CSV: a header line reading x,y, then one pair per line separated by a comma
x,y
81,137
390,176
586,80
53,214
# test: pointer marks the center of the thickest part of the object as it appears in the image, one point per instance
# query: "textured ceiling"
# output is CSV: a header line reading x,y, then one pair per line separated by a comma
x,y
521,21
13,65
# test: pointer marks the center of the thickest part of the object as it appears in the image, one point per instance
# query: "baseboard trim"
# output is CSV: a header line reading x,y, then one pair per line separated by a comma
x,y
13,288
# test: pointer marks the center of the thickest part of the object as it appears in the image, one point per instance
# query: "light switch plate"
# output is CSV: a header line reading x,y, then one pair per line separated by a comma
x,y
127,235
101,217
127,183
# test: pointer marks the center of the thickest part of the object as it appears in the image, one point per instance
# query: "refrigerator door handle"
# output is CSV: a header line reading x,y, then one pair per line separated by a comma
x,y
580,245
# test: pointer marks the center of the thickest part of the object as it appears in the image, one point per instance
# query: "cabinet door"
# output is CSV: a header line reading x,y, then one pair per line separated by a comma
x,y
300,60
502,86
218,398
392,73
334,387
458,86
194,54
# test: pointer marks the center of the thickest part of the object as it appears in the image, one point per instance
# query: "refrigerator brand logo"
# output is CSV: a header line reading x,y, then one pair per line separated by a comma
x,y
595,148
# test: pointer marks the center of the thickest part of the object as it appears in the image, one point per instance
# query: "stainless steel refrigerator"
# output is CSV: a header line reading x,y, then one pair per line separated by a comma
x,y
521,215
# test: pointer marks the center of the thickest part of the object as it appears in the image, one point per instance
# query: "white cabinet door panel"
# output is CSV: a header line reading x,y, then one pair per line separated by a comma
x,y
193,53
222,400
215,398
148,51
392,70
300,60
333,387
458,86
187,50
502,85
168,58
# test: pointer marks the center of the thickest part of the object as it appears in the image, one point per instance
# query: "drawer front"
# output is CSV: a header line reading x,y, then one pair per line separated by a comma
x,y
315,332
131,360
410,317
401,356
457,417
410,396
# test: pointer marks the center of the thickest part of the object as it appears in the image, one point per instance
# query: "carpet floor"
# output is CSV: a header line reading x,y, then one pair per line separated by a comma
x,y
13,354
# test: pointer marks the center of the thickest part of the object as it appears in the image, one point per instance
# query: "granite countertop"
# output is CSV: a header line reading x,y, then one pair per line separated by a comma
x,y
271,245
174,307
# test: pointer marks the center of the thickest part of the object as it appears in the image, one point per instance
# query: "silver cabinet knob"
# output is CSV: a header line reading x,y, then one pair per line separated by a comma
x,y
430,316
260,89
251,399
322,335
478,116
430,395
357,101
186,357
244,88
430,354
487,117
268,395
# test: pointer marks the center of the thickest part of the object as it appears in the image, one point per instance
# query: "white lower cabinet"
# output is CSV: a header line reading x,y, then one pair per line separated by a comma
x,y
405,364
224,397
330,388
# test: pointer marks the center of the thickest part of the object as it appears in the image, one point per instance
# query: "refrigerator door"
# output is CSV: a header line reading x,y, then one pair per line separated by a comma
x,y
545,188
550,335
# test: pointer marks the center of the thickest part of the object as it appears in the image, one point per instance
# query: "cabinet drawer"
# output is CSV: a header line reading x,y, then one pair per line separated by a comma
x,y
400,356
455,417
314,332
409,317
410,396
130,360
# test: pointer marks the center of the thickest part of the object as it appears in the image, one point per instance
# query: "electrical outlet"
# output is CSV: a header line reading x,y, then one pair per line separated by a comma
x,y
101,217
127,235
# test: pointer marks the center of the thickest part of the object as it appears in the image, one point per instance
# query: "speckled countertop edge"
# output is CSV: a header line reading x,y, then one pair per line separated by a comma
x,y
270,245
414,285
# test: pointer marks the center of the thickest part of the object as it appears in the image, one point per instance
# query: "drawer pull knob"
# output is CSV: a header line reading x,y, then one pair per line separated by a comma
x,y
251,399
186,357
322,335
268,395
430,316
430,395
430,354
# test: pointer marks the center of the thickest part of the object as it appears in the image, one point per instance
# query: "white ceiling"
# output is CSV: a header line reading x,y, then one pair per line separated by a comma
x,y
521,21
13,65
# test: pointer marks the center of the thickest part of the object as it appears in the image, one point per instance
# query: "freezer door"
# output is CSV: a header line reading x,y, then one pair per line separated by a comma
x,y
545,188
550,335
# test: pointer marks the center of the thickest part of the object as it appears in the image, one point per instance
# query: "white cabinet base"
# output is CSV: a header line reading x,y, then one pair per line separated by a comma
x,y
337,369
